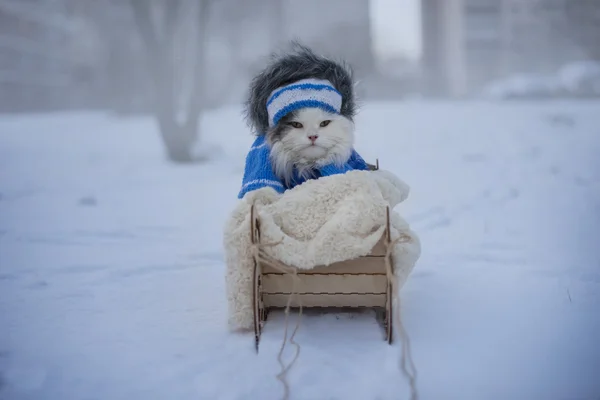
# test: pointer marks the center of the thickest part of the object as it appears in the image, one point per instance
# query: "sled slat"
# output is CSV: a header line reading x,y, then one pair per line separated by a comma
x,y
363,265
325,284
326,300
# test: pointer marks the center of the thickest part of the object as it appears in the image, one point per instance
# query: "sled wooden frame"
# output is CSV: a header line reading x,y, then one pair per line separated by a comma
x,y
357,283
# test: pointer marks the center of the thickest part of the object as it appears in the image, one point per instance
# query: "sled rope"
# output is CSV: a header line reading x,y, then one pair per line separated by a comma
x,y
260,256
293,272
405,340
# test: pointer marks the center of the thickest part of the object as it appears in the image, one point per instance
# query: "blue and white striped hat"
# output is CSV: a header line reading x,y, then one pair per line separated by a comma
x,y
301,94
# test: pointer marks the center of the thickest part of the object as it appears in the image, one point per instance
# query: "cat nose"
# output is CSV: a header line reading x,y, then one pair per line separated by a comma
x,y
313,138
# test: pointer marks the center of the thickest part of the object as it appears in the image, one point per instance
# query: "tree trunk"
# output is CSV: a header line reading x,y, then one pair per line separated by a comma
x,y
178,137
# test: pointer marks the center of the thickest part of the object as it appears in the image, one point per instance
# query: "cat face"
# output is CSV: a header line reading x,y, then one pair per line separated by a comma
x,y
310,138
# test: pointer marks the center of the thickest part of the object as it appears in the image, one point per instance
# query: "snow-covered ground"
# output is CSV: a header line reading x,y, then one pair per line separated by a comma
x,y
112,271
579,78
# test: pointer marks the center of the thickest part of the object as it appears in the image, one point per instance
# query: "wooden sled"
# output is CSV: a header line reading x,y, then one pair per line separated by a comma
x,y
356,283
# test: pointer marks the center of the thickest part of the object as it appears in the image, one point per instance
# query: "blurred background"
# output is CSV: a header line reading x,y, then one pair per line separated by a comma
x,y
200,54
62,54
122,150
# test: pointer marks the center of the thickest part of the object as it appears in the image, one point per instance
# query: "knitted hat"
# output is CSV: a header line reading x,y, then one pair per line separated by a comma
x,y
296,80
309,92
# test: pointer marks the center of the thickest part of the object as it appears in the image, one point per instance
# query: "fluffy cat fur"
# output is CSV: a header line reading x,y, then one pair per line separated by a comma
x,y
293,149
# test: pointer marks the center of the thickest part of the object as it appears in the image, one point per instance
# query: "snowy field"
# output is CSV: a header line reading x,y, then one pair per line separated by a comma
x,y
112,269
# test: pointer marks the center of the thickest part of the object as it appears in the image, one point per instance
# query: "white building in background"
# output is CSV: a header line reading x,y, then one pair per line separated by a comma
x,y
467,43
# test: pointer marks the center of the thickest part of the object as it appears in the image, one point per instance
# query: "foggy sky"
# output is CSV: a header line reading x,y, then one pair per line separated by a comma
x,y
396,26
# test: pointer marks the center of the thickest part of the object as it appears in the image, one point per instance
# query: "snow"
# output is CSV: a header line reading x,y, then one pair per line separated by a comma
x,y
581,75
523,85
578,78
112,271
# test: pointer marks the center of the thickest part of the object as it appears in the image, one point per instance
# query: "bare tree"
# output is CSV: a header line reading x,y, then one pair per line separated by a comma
x,y
178,123
584,26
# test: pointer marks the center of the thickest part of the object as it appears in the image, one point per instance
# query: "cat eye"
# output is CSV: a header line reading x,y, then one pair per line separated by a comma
x,y
325,123
295,124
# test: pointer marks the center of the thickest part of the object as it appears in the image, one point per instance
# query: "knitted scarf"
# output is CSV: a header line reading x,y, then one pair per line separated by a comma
x,y
259,171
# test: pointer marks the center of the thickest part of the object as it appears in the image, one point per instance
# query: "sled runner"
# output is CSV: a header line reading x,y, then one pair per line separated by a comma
x,y
355,283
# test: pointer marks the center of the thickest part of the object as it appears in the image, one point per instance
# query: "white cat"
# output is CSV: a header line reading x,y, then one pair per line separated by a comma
x,y
307,139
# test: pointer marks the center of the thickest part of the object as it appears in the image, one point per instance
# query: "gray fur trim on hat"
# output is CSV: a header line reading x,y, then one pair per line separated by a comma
x,y
300,63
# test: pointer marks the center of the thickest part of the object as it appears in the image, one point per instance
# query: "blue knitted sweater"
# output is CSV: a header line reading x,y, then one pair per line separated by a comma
x,y
259,171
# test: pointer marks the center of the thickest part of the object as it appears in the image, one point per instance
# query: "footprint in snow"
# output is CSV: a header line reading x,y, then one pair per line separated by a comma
x,y
422,274
440,223
38,285
215,257
88,201
498,246
561,120
474,157
7,277
425,215
80,269
554,170
152,269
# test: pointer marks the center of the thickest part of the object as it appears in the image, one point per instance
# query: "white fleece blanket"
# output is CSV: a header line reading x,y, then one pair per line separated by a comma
x,y
320,222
